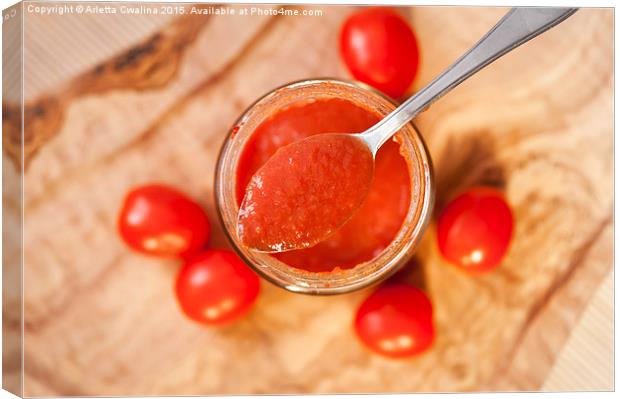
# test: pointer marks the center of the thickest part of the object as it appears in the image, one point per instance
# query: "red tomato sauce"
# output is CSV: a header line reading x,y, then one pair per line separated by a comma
x,y
377,221
305,192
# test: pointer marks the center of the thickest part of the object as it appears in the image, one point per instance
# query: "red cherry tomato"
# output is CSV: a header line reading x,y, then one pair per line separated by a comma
x,y
159,220
396,321
475,229
380,49
216,287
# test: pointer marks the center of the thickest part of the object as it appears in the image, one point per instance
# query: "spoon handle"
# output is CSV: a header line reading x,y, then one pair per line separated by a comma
x,y
517,27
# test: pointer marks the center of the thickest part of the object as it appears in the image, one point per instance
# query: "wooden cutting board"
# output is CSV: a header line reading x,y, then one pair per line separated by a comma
x,y
101,320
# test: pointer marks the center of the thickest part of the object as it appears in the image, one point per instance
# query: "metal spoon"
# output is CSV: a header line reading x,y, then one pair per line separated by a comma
x,y
518,26
284,207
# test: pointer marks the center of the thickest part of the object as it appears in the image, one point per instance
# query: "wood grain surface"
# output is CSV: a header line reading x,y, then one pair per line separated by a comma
x,y
100,320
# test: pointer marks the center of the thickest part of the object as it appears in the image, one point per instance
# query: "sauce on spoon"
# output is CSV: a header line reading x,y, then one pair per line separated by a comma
x,y
305,192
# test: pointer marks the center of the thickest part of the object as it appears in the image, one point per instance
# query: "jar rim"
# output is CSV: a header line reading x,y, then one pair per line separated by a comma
x,y
341,281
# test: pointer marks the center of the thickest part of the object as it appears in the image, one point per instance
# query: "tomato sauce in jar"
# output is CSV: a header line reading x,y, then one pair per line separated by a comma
x,y
377,221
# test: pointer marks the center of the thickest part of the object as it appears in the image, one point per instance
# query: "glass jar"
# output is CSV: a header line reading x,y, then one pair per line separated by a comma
x,y
338,281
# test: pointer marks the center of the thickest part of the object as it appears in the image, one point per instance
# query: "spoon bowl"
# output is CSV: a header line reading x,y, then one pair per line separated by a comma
x,y
305,192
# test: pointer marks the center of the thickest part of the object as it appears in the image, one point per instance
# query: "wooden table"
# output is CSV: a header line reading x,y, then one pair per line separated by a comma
x,y
101,320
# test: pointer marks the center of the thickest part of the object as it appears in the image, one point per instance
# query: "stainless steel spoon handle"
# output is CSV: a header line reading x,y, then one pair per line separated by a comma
x,y
517,27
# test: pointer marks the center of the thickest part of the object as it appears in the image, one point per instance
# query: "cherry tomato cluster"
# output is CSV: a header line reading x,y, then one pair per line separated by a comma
x,y
213,286
474,230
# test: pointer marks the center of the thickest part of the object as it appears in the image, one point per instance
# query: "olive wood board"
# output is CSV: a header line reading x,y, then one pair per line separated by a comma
x,y
102,320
